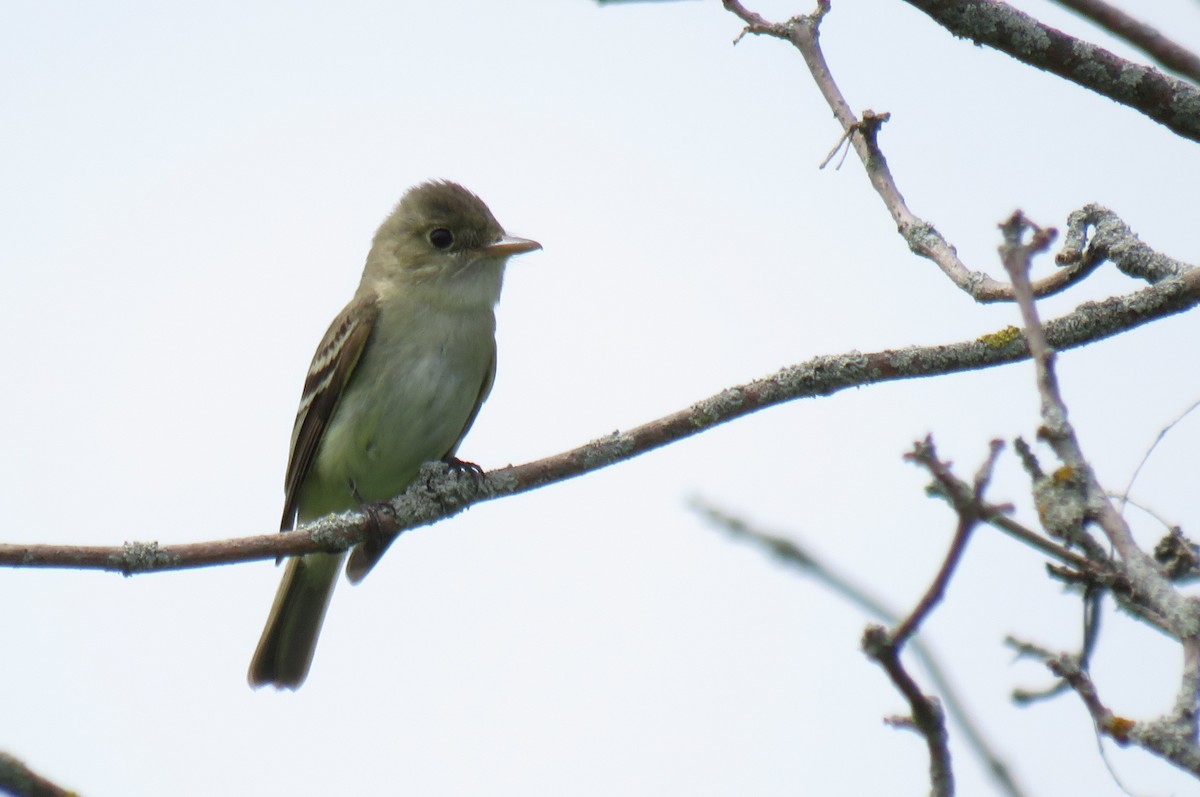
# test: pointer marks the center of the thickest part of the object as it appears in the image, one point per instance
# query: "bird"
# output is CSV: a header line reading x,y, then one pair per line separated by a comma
x,y
396,382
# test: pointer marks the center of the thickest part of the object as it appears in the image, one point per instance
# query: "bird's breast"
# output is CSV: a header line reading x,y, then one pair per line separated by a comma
x,y
408,402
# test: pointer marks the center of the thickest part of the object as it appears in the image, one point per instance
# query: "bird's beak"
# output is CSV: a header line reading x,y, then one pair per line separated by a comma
x,y
509,245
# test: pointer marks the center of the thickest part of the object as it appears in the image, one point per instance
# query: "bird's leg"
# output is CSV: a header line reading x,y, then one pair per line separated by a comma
x,y
375,541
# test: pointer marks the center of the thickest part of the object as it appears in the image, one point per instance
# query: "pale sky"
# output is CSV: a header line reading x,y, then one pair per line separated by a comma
x,y
190,191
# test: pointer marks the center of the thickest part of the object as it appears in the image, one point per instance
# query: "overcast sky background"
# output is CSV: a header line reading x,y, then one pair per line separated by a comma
x,y
189,191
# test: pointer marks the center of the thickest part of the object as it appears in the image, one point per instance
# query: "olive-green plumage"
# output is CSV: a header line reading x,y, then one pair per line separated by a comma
x,y
396,382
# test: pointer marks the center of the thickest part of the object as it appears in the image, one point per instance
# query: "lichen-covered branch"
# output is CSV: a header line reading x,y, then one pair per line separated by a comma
x,y
439,493
922,237
1145,37
1147,589
1171,102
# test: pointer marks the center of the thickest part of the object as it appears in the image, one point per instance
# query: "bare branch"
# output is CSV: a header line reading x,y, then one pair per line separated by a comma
x,y
1145,576
438,494
948,486
927,717
884,646
794,554
862,134
968,508
1148,39
1171,102
921,236
20,781
1149,592
1171,738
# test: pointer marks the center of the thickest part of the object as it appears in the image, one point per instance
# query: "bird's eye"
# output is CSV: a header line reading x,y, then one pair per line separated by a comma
x,y
441,238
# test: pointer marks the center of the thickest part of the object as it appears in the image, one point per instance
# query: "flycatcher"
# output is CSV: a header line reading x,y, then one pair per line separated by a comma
x,y
396,382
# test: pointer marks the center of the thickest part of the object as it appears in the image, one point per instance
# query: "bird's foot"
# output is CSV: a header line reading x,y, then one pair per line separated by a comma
x,y
461,465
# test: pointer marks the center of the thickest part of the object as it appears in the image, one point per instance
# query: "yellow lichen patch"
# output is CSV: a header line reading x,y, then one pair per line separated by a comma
x,y
1063,474
998,340
1120,727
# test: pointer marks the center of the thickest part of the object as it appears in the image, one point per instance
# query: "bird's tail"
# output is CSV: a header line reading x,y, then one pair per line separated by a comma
x,y
285,651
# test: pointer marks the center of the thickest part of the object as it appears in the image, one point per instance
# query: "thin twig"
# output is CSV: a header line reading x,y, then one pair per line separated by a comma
x,y
884,646
1124,496
968,511
794,554
1166,737
862,135
927,716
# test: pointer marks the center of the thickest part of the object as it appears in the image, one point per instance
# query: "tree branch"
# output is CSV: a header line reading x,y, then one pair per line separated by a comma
x,y
1156,736
1171,102
20,781
968,507
1146,38
439,494
927,716
884,646
1056,429
923,239
803,560
1173,736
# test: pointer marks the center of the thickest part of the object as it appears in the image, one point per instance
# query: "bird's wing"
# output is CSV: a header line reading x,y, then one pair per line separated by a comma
x,y
332,365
